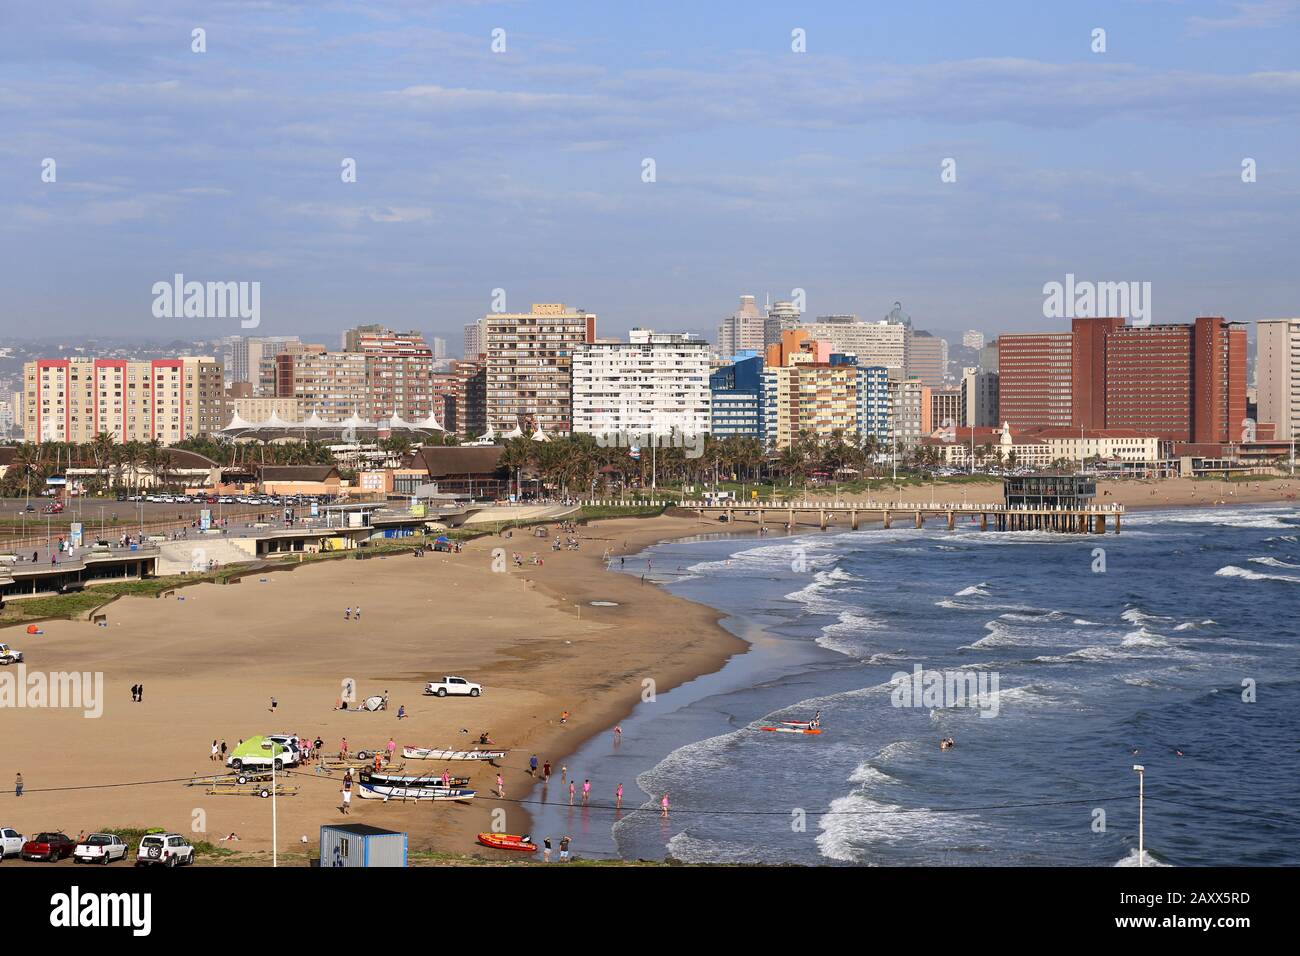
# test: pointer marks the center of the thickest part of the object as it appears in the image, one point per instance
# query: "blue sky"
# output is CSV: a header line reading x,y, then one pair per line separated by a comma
x,y
522,170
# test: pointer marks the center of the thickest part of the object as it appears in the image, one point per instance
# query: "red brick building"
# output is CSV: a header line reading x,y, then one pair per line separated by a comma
x,y
1034,378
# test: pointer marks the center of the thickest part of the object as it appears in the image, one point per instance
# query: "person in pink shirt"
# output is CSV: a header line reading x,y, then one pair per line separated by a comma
x,y
501,787
618,798
446,778
663,805
392,749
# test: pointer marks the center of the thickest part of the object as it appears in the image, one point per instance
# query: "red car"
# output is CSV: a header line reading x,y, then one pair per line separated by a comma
x,y
49,847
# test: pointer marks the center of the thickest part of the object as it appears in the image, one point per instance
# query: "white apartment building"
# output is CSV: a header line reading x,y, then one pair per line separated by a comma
x,y
1277,375
655,383
781,317
973,339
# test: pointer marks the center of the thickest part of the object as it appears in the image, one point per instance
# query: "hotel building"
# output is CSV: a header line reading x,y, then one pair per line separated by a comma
x,y
874,343
736,396
742,331
1034,381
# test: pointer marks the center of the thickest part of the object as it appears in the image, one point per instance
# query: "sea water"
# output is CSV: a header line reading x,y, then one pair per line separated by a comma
x,y
1177,649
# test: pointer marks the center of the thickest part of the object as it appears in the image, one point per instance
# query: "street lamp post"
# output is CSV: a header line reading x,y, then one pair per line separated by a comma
x,y
1141,772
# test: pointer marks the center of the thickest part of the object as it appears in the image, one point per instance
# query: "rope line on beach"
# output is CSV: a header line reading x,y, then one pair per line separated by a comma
x,y
104,786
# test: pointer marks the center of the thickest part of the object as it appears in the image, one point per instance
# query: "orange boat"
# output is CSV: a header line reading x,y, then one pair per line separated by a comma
x,y
507,841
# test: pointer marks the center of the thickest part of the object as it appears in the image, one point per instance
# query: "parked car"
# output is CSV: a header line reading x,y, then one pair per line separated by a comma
x,y
100,848
53,508
452,687
48,846
167,849
258,752
10,655
11,842
294,745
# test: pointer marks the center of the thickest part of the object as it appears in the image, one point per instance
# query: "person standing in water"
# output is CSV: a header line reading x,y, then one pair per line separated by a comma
x,y
618,797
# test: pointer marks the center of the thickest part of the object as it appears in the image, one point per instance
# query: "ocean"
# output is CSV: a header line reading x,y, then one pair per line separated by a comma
x,y
1173,647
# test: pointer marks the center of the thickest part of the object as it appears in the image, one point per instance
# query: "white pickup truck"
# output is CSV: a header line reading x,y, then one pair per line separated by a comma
x,y
10,655
452,686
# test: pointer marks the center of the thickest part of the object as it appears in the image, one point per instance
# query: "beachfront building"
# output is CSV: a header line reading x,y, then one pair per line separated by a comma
x,y
1034,378
475,339
1044,447
742,331
73,400
736,397
875,403
656,383
910,411
1277,375
260,409
399,371
973,339
804,392
327,385
529,367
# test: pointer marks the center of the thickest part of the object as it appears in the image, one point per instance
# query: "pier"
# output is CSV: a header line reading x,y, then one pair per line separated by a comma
x,y
1067,519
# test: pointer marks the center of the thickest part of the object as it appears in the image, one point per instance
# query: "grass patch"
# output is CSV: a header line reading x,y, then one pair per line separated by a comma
x,y
132,836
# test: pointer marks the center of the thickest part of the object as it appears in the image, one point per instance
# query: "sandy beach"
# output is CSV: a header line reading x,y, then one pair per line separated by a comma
x,y
211,658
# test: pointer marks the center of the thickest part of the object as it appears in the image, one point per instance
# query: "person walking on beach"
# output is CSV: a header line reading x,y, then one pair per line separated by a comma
x,y
274,704
139,693
391,748
501,788
343,749
618,797
223,751
446,778
546,850
546,771
570,793
663,807
18,785
532,765
356,615
586,791
347,791
347,613
214,751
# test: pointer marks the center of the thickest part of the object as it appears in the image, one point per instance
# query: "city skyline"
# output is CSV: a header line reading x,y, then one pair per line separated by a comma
x,y
522,170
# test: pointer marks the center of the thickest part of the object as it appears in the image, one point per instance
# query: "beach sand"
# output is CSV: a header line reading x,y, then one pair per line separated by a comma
x,y
211,657
211,663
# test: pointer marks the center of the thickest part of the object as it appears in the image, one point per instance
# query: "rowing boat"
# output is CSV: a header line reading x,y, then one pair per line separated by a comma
x,y
507,841
411,780
373,792
791,730
796,723
425,753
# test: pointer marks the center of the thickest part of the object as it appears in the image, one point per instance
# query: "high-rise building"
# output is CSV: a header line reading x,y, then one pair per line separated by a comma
x,y
73,400
399,372
948,407
910,413
973,339
736,396
475,339
873,343
781,317
1034,382
330,385
875,403
244,355
1088,370
806,396
741,331
1219,370
529,366
656,383
1277,375
981,398
927,358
